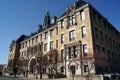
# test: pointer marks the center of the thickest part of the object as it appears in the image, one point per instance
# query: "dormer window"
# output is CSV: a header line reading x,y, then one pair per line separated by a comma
x,y
51,33
62,24
46,35
32,40
82,15
71,20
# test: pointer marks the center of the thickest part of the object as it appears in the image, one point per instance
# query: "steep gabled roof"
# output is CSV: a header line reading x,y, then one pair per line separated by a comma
x,y
79,4
21,38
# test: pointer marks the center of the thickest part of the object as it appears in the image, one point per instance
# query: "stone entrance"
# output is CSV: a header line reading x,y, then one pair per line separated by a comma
x,y
32,65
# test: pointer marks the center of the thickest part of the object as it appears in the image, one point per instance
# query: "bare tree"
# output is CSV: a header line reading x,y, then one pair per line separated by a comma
x,y
91,61
50,59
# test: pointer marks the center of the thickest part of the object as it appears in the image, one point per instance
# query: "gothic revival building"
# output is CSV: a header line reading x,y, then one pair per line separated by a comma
x,y
81,39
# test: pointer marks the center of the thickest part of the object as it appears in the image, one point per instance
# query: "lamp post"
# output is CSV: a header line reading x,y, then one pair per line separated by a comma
x,y
81,59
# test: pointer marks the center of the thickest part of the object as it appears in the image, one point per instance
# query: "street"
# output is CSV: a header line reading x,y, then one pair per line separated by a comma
x,y
14,78
8,78
25,78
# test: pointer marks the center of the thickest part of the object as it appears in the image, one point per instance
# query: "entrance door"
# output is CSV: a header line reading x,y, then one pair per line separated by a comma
x,y
32,65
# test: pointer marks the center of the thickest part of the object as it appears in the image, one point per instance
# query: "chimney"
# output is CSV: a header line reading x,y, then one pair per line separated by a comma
x,y
54,19
74,4
39,28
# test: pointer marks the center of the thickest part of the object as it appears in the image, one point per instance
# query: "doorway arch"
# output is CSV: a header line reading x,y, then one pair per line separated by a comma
x,y
32,63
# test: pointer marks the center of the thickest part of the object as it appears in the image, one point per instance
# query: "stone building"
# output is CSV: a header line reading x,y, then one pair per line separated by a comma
x,y
13,55
81,39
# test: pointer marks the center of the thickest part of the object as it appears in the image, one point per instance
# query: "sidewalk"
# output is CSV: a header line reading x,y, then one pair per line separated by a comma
x,y
31,77
21,77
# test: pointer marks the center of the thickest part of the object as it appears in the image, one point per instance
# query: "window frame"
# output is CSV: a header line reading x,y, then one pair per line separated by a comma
x,y
72,20
51,32
82,15
62,54
72,35
46,35
45,46
62,38
62,24
84,32
85,49
51,45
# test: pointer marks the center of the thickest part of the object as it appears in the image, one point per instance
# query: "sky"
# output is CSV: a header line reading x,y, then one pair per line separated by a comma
x,y
19,17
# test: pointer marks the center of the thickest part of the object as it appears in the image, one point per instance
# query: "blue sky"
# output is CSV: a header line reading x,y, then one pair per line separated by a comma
x,y
19,17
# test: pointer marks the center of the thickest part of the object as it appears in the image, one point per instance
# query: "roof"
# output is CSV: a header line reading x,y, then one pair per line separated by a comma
x,y
35,33
21,38
79,4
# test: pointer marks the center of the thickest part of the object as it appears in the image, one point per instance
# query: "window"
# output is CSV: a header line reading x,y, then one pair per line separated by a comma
x,y
32,40
62,54
56,30
106,37
85,50
72,35
62,69
110,40
72,20
103,50
96,18
35,49
85,68
69,53
26,44
51,33
46,35
24,53
62,38
95,32
83,31
45,46
36,39
74,52
23,45
51,45
56,43
29,42
62,24
97,49
101,34
82,15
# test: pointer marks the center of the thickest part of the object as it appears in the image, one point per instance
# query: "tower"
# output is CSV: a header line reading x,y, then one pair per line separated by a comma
x,y
46,20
